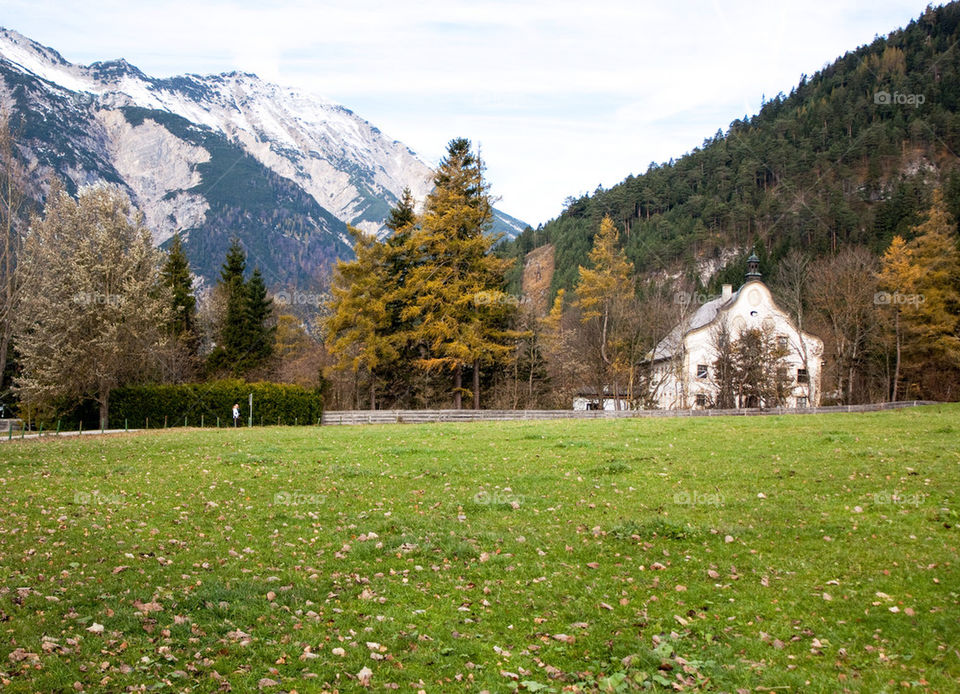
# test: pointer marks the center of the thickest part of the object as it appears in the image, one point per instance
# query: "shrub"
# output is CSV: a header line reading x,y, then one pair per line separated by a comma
x,y
272,402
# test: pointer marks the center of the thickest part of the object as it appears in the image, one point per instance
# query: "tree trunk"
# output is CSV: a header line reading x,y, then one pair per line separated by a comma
x,y
4,347
373,393
896,368
104,407
457,387
476,384
530,384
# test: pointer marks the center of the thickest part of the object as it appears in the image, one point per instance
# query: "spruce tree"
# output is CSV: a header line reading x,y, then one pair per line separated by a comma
x,y
176,276
231,346
258,334
403,215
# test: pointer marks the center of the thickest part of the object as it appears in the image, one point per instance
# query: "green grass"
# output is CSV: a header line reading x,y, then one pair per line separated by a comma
x,y
813,553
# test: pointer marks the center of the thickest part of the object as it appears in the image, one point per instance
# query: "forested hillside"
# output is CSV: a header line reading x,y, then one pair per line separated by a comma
x,y
849,157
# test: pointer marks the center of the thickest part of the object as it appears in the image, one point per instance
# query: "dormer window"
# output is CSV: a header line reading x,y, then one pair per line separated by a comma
x,y
783,343
703,371
803,376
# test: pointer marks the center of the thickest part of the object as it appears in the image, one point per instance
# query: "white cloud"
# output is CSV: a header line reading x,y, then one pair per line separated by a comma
x,y
562,95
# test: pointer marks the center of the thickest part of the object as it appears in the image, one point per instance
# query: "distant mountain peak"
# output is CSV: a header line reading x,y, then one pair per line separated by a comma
x,y
210,156
111,69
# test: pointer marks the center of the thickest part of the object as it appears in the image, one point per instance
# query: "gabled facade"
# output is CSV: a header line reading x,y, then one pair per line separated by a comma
x,y
682,367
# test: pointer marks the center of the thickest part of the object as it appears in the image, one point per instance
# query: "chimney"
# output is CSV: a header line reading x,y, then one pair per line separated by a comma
x,y
727,292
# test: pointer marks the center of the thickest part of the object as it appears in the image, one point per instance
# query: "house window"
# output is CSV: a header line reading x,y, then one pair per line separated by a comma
x,y
702,371
801,402
802,376
701,400
783,343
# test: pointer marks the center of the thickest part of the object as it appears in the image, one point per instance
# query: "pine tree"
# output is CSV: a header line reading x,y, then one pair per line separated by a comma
x,y
180,362
403,215
232,286
258,334
400,380
360,325
604,296
454,293
246,336
898,277
922,282
176,275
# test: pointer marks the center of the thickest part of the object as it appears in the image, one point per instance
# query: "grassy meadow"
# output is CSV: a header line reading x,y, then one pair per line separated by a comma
x,y
794,553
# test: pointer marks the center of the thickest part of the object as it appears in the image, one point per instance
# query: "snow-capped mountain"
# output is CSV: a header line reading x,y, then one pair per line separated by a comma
x,y
214,157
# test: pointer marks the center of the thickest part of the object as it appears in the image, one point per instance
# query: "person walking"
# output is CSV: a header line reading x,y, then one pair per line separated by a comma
x,y
236,414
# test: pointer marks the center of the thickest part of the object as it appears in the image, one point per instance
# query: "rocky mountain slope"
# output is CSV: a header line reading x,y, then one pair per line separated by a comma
x,y
213,157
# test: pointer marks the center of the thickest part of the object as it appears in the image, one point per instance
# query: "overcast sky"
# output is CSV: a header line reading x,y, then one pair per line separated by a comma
x,y
560,96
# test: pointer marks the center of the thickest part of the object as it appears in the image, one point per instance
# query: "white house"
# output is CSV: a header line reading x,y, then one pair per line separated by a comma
x,y
682,364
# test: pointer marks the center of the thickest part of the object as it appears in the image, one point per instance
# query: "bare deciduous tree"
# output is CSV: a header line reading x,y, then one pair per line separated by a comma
x,y
842,289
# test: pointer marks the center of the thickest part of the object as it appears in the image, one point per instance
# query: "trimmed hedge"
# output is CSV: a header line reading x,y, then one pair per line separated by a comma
x,y
170,404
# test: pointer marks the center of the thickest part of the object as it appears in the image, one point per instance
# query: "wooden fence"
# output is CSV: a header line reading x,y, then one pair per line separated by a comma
x,y
420,416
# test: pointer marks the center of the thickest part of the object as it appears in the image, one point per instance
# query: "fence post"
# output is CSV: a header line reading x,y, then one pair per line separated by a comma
x,y
184,421
58,427
125,424
201,421
218,421
148,423
10,432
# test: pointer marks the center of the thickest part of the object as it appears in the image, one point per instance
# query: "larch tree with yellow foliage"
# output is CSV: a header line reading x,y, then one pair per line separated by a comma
x,y
431,297
454,294
359,321
921,279
605,296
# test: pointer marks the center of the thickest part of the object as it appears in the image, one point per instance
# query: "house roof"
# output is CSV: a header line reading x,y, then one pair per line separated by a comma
x,y
668,346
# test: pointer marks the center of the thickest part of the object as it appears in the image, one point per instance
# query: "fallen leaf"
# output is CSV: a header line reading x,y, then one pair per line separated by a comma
x,y
364,676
